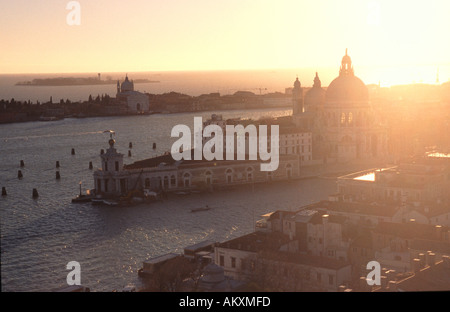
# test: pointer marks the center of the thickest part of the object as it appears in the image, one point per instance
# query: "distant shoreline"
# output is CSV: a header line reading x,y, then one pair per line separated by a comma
x,y
71,81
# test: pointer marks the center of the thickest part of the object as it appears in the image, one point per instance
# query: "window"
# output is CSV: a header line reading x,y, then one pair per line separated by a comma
x,y
208,175
106,166
187,179
147,183
173,180
249,174
233,262
117,166
229,174
221,260
289,171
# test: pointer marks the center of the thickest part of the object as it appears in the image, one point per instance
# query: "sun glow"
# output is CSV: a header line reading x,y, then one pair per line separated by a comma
x,y
392,42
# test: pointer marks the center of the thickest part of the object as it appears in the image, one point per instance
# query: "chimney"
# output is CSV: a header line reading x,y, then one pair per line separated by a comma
x,y
422,260
431,258
392,286
416,265
384,282
438,229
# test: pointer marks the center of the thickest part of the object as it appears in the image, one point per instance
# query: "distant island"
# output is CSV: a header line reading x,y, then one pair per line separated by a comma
x,y
72,81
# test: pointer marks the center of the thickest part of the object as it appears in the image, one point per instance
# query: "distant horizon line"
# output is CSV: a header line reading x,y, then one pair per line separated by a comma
x,y
315,68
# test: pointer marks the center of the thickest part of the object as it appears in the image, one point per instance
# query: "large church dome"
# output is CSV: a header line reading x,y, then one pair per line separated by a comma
x,y
347,87
127,85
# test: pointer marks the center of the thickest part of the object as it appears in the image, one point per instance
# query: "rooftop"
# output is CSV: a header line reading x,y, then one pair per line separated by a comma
x,y
161,258
412,230
257,242
297,258
376,209
431,278
167,160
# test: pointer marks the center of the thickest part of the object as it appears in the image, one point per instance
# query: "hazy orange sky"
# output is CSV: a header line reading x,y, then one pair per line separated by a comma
x,y
159,35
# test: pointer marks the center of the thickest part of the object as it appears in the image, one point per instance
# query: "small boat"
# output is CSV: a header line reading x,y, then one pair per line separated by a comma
x,y
96,201
110,202
82,199
102,201
201,209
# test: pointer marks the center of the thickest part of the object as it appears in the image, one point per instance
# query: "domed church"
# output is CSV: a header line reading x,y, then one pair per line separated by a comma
x,y
341,119
135,102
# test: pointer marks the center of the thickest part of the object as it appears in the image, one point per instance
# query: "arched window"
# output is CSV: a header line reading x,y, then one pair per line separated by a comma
x,y
166,182
350,118
173,180
147,183
343,117
208,177
289,170
249,174
229,175
187,179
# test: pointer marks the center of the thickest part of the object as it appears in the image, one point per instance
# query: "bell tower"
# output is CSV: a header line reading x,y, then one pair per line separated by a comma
x,y
346,66
297,98
111,160
110,178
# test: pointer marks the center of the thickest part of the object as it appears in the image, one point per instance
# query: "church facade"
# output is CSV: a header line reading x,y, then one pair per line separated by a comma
x,y
135,101
343,124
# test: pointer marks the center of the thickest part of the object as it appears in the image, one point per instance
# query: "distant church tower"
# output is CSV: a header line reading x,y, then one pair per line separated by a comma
x,y
297,98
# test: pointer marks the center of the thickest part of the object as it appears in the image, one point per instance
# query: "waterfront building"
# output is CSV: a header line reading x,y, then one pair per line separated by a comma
x,y
135,101
342,121
163,173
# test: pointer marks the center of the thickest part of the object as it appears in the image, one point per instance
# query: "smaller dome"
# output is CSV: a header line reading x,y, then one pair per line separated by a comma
x,y
315,96
297,83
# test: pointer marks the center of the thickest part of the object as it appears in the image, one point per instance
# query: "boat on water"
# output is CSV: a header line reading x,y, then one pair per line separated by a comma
x,y
102,201
82,198
201,209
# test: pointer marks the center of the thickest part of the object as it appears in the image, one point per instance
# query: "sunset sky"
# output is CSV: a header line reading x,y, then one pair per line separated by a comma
x,y
160,35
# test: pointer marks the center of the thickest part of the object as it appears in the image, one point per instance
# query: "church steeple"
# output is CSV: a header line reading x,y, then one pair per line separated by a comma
x,y
346,65
317,82
297,97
